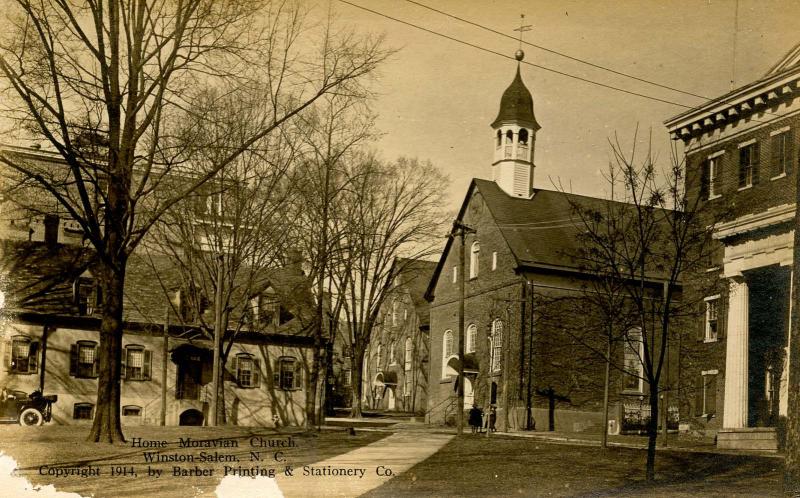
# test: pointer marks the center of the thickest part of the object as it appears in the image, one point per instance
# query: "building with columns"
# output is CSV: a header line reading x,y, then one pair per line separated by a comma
x,y
525,334
742,147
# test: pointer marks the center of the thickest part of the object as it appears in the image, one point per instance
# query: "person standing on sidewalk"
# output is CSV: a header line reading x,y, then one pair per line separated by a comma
x,y
475,418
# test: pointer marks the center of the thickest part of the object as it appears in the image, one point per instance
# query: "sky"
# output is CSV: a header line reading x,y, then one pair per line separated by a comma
x,y
436,97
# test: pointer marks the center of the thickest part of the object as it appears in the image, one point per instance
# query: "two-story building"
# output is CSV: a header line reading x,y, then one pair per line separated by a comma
x,y
50,331
743,148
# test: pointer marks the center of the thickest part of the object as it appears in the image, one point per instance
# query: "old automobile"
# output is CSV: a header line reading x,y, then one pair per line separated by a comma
x,y
27,409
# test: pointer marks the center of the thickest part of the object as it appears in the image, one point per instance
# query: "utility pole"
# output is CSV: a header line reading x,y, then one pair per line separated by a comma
x,y
461,230
791,482
667,387
529,422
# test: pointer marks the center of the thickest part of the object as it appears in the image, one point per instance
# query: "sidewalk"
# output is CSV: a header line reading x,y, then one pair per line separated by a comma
x,y
390,456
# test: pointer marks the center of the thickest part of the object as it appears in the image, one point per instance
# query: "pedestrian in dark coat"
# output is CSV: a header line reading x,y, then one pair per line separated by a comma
x,y
475,418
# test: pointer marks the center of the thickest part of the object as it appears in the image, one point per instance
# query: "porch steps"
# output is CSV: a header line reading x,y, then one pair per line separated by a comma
x,y
748,438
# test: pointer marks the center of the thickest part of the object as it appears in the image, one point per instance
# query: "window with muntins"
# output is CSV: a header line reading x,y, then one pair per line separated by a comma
x,y
748,165
497,346
289,375
712,319
21,355
781,153
448,344
248,370
84,363
713,171
136,363
472,338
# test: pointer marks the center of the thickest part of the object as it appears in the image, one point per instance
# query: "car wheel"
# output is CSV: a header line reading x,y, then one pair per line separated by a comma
x,y
31,416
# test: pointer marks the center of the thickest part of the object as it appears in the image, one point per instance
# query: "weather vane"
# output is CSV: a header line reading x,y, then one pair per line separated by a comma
x,y
522,28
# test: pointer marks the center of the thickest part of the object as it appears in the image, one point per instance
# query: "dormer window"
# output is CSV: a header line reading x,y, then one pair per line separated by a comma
x,y
190,304
86,294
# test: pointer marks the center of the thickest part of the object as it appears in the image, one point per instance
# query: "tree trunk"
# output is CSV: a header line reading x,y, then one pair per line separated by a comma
x,y
652,433
358,369
106,426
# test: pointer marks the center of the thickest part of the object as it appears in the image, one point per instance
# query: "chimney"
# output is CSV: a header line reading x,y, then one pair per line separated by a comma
x,y
51,230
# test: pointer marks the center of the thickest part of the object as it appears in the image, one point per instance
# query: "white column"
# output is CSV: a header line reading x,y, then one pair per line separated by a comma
x,y
736,356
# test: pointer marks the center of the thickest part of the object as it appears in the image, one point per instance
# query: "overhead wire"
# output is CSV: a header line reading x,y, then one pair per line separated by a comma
x,y
500,54
538,66
561,54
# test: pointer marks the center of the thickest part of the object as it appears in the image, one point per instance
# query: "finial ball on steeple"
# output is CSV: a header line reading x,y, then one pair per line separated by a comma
x,y
519,55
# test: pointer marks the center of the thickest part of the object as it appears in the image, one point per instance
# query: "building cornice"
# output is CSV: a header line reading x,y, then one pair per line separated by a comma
x,y
755,221
738,104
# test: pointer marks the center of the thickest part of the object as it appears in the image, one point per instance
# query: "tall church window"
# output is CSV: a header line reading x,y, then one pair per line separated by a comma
x,y
409,354
472,338
474,255
448,344
497,346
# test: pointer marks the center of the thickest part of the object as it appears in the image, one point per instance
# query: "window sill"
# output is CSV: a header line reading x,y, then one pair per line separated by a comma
x,y
782,175
708,340
713,268
633,392
744,188
715,196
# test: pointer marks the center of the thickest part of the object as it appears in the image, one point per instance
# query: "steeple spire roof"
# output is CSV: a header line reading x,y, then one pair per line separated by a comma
x,y
516,105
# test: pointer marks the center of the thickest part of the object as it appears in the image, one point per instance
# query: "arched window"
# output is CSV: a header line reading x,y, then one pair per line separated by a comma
x,y
379,356
509,137
497,345
474,254
499,138
409,354
523,137
448,344
392,357
472,339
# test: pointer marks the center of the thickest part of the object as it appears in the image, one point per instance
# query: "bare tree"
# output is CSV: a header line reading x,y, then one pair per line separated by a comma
x,y
649,247
389,210
333,134
227,238
104,84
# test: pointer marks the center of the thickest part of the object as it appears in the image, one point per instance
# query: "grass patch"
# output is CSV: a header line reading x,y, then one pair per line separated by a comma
x,y
65,446
507,466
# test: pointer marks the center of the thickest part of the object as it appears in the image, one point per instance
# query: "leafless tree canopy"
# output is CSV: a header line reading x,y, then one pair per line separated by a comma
x,y
126,94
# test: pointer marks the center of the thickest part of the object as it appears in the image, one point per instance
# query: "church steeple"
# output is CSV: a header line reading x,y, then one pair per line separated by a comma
x,y
515,137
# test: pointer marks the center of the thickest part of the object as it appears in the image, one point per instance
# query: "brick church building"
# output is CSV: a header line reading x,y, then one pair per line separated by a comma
x,y
521,356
